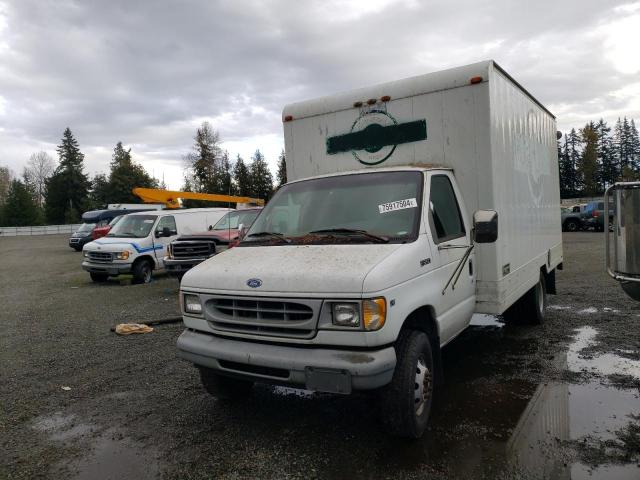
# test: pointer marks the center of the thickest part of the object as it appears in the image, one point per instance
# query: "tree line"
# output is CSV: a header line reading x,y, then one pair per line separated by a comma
x,y
596,156
47,193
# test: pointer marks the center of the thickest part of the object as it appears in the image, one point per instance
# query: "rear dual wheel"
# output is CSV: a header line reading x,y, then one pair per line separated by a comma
x,y
531,308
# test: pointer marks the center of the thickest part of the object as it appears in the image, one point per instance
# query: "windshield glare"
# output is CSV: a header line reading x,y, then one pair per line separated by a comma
x,y
136,226
234,219
386,204
86,227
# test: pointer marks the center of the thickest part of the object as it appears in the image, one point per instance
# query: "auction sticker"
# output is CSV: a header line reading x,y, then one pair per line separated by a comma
x,y
398,205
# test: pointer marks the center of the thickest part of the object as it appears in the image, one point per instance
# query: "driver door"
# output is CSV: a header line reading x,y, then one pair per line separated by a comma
x,y
451,234
165,232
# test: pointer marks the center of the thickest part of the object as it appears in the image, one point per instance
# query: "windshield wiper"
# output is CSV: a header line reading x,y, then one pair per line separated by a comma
x,y
277,235
351,231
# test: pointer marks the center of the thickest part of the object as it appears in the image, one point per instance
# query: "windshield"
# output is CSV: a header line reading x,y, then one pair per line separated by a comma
x,y
86,227
115,220
234,219
368,207
136,226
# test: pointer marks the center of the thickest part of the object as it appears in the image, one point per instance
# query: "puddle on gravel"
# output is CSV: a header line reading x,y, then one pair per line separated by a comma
x,y
105,455
489,423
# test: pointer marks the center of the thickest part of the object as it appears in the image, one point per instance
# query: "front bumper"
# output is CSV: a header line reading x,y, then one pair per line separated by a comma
x,y
178,266
320,369
109,268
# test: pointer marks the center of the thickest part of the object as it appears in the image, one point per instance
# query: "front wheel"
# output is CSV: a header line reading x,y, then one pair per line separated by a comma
x,y
142,271
572,226
99,277
405,403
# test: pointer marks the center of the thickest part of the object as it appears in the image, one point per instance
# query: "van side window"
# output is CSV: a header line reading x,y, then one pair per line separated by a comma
x,y
167,222
444,211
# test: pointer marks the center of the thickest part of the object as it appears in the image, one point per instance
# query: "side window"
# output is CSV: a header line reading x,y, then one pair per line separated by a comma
x,y
444,211
167,222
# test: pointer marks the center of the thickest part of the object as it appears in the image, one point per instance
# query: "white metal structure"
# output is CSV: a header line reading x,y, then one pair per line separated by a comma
x,y
137,243
371,259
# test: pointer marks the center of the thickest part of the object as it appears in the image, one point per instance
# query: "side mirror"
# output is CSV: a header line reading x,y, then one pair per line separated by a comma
x,y
485,226
166,232
242,231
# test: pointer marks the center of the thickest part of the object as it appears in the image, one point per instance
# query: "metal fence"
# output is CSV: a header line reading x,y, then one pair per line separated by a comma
x,y
41,230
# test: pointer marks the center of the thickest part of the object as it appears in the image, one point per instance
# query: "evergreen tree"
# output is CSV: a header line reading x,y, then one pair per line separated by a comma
x,y
20,209
588,165
282,170
125,175
573,154
607,166
203,160
241,178
100,196
634,147
67,190
261,178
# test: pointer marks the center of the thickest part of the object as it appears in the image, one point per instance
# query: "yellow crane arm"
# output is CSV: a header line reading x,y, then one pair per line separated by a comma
x,y
170,198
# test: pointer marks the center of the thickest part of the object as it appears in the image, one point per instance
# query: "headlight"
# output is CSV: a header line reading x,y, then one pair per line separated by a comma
x,y
169,250
192,304
374,313
346,314
122,255
85,253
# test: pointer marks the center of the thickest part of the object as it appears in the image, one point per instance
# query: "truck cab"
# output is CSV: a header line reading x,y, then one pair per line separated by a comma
x,y
411,206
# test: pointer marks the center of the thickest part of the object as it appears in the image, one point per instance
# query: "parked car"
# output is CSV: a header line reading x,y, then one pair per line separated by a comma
x,y
101,218
99,232
571,221
593,216
136,244
189,250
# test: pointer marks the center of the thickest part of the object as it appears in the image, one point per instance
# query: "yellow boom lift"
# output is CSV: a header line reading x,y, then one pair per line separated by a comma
x,y
170,198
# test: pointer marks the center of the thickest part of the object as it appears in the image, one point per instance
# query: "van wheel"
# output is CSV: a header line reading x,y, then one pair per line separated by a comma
x,y
99,277
405,404
142,271
531,308
224,388
572,226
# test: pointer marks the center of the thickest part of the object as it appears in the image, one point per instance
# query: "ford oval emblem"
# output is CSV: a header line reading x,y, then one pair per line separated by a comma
x,y
254,282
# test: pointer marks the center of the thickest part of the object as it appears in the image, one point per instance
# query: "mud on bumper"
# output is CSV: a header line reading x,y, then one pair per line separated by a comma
x,y
318,369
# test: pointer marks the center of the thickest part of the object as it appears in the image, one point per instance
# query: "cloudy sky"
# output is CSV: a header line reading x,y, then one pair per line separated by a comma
x,y
148,73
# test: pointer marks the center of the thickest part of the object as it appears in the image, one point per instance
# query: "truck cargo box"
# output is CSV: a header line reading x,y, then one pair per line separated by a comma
x,y
499,140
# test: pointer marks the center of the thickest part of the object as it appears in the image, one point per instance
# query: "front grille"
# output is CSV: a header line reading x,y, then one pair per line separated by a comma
x,y
259,316
101,257
193,249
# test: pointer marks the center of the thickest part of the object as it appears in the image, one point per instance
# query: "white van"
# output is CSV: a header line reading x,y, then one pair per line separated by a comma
x,y
136,244
411,205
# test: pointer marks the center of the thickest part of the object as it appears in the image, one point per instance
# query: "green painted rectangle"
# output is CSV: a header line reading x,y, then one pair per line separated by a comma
x,y
375,136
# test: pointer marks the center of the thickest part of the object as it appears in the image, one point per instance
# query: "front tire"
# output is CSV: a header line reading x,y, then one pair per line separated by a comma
x,y
224,388
531,308
99,277
405,403
572,226
142,271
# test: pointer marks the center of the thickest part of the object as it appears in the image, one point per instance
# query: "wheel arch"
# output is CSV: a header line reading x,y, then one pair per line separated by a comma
x,y
145,257
424,319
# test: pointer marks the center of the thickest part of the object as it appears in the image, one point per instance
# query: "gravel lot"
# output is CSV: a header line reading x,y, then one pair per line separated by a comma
x,y
557,401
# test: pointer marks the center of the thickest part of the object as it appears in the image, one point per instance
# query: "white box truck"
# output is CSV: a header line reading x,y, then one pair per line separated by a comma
x,y
410,206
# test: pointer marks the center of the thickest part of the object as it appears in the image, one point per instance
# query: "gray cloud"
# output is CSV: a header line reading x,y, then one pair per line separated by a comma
x,y
147,73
